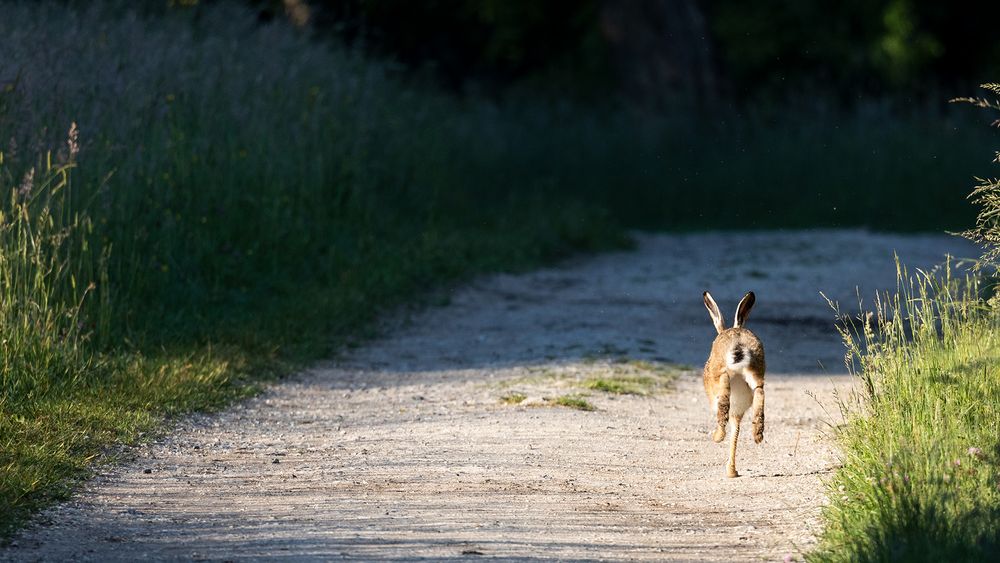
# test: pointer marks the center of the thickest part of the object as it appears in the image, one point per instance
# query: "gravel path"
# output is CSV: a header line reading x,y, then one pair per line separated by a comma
x,y
403,449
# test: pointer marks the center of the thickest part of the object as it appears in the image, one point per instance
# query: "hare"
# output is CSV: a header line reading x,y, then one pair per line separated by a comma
x,y
734,376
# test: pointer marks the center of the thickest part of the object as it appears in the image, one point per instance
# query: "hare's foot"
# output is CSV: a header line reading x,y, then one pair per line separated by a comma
x,y
734,438
719,434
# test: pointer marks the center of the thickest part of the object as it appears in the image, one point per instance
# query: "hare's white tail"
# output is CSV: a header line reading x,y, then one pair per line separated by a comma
x,y
738,357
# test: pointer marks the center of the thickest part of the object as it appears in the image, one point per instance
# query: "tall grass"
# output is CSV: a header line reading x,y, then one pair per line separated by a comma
x,y
234,198
921,473
920,479
62,399
48,270
231,162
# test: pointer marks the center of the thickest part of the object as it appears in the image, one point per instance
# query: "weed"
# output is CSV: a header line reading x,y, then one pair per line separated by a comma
x,y
625,385
573,402
513,398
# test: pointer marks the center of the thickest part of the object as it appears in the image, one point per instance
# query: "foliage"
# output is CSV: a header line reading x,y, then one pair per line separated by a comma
x,y
921,474
851,48
986,195
490,43
47,272
232,203
920,479
770,48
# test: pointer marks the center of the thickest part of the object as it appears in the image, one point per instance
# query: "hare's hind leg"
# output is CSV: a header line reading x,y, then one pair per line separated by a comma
x,y
734,436
756,382
722,407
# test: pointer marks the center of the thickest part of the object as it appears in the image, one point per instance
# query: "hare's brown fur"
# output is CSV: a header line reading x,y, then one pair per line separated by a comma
x,y
734,377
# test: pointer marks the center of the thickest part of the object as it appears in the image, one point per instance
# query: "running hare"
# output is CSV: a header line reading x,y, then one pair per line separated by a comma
x,y
734,376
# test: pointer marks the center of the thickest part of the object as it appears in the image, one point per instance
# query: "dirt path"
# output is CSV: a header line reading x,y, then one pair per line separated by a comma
x,y
402,449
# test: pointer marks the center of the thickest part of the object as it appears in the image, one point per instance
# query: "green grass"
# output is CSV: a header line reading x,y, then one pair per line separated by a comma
x,y
513,398
626,385
633,377
617,375
921,473
572,401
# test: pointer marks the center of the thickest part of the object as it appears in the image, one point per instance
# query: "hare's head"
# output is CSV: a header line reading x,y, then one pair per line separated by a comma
x,y
742,311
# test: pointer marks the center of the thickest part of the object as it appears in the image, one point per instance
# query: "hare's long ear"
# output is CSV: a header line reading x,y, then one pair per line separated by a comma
x,y
743,309
713,310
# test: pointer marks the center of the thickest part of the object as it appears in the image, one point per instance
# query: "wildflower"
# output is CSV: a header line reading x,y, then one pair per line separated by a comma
x,y
976,453
958,463
71,141
788,558
27,183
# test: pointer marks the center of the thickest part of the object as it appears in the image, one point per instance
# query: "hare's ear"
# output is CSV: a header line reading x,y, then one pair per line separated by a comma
x,y
743,309
713,310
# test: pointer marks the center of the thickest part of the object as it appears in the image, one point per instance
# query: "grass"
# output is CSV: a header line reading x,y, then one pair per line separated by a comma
x,y
627,385
618,376
231,205
513,398
921,474
633,377
238,199
577,402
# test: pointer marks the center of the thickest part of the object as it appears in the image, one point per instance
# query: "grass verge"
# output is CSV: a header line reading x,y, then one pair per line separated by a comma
x,y
921,474
232,200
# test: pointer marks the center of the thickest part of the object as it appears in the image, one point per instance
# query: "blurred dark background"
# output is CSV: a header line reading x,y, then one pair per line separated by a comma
x,y
660,52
